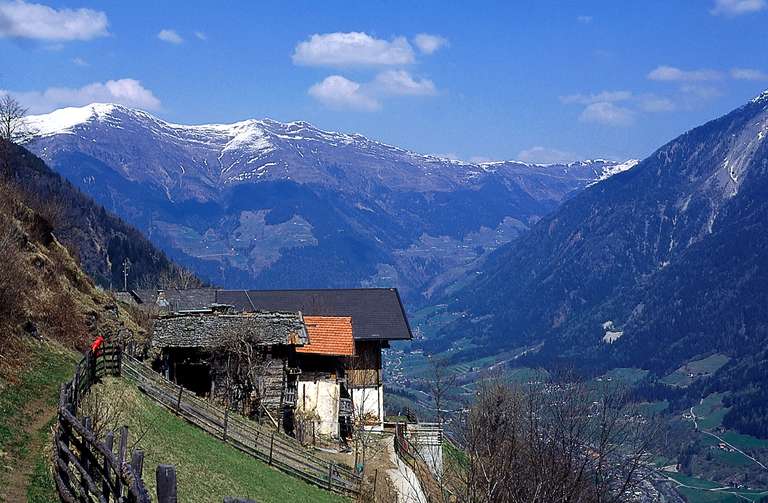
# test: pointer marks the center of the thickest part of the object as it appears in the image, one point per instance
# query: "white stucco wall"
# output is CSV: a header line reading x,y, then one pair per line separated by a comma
x,y
322,399
370,401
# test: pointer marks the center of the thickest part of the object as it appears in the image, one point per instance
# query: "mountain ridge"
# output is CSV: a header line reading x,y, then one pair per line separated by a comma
x,y
253,202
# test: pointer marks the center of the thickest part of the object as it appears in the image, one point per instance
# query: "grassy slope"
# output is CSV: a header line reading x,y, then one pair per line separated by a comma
x,y
207,469
34,391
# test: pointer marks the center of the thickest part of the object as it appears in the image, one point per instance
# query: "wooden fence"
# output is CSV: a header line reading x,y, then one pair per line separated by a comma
x,y
264,443
87,468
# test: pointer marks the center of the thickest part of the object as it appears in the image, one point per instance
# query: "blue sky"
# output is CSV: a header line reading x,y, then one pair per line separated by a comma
x,y
536,80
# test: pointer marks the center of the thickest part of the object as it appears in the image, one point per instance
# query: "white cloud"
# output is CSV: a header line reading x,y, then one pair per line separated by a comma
x,y
607,113
352,49
748,74
341,93
201,36
127,92
80,62
400,82
428,44
699,92
544,155
674,74
653,103
617,108
170,36
736,7
584,19
19,19
605,96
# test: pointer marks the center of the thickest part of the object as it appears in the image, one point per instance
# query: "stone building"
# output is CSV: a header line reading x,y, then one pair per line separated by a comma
x,y
322,369
242,359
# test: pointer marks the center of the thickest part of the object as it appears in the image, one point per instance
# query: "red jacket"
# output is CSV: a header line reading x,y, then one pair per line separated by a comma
x,y
97,343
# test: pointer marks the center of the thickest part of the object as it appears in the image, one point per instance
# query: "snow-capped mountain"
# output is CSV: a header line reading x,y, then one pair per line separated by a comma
x,y
265,203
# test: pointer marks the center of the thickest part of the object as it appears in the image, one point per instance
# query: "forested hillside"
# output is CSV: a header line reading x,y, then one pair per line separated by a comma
x,y
100,240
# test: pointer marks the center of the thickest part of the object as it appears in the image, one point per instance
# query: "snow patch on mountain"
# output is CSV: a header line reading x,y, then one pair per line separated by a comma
x,y
239,144
615,170
761,97
63,121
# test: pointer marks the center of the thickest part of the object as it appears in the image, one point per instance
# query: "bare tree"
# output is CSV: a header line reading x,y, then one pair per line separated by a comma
x,y
551,441
363,420
244,366
175,278
14,127
178,278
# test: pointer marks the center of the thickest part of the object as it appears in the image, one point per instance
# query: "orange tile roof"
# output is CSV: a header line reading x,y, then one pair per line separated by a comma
x,y
329,335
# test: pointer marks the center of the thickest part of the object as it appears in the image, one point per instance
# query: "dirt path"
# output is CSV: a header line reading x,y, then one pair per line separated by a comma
x,y
39,414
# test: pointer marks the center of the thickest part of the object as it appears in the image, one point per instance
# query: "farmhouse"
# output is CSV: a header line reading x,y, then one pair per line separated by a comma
x,y
293,356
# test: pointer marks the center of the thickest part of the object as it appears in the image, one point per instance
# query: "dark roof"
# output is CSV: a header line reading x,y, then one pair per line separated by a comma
x,y
377,313
177,300
211,330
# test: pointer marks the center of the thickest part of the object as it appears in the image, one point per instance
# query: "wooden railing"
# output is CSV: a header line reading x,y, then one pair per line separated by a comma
x,y
264,443
403,447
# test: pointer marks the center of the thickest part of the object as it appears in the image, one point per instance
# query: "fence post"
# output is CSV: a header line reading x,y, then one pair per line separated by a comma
x,y
76,388
375,479
85,455
226,422
121,448
178,400
330,475
137,462
91,358
109,441
271,446
119,360
165,476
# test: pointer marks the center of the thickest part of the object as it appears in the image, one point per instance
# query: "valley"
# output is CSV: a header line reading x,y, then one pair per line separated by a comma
x,y
482,254
384,252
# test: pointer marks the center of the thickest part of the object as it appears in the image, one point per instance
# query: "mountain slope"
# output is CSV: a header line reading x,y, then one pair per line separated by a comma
x,y
649,268
100,240
267,204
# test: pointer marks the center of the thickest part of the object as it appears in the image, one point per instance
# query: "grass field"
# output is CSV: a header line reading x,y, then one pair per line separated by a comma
x,y
27,409
696,369
626,375
207,469
698,496
711,411
652,408
698,493
744,442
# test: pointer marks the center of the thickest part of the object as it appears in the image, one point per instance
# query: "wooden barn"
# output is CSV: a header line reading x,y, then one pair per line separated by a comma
x,y
378,317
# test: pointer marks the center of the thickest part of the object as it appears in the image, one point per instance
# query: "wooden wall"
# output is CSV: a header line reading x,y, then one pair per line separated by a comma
x,y
365,366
